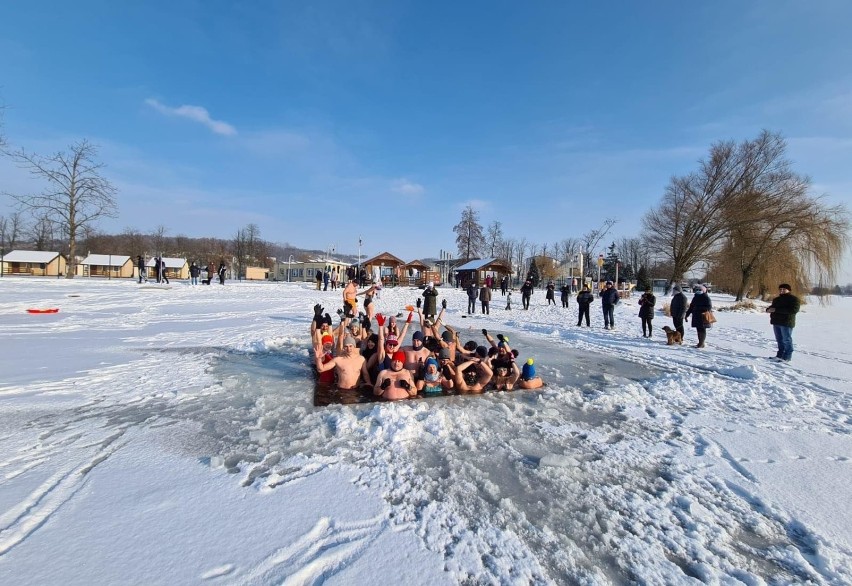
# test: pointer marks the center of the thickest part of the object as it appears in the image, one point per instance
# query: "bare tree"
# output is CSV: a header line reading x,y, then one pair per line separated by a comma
x,y
159,239
77,195
590,241
494,238
521,249
11,229
43,232
469,238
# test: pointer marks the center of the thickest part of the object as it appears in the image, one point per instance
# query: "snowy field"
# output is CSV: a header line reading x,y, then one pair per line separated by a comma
x,y
168,436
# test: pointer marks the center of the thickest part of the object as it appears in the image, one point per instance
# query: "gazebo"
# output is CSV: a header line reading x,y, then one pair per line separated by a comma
x,y
386,267
418,273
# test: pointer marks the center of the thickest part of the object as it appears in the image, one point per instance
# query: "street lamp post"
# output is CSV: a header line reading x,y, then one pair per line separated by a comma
x,y
616,273
289,263
600,264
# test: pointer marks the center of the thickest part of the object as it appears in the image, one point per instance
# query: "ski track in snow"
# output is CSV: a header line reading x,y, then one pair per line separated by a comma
x,y
602,474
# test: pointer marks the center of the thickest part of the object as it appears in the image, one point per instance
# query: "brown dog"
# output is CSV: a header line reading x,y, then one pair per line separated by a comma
x,y
672,336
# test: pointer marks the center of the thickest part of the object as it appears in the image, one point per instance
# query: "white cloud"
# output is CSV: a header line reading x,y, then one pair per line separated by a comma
x,y
406,187
196,114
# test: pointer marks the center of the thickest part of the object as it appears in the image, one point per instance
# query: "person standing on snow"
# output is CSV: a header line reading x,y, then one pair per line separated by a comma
x,y
472,294
700,303
584,301
430,301
678,309
609,299
782,316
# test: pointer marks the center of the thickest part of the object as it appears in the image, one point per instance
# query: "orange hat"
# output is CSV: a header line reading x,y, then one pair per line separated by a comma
x,y
327,340
398,355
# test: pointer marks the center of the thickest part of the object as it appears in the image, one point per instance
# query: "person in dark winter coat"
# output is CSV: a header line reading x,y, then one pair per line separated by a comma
x,y
584,301
222,273
194,271
565,291
699,304
782,315
318,278
472,293
646,311
430,301
504,285
678,309
609,299
485,299
140,265
526,293
550,296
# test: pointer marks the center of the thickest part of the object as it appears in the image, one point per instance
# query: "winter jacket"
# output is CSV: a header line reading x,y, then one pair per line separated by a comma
x,y
786,307
526,290
430,301
699,304
472,292
585,298
678,305
609,297
646,305
550,291
565,290
485,294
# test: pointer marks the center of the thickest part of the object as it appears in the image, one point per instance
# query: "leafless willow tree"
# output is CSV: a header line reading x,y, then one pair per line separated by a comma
x,y
746,199
77,194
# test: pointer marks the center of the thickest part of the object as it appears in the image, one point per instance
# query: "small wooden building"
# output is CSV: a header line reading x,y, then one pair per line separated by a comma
x,y
176,268
387,267
33,262
257,273
305,271
417,273
478,269
113,266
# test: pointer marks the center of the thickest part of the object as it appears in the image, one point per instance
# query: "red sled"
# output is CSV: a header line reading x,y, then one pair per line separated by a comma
x,y
48,310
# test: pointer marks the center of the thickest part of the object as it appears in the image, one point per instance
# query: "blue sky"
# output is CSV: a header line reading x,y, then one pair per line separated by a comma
x,y
323,121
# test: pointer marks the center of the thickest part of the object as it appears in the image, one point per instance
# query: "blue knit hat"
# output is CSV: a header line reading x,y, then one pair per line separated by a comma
x,y
528,371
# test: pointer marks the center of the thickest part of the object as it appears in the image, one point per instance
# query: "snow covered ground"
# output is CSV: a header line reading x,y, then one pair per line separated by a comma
x,y
168,436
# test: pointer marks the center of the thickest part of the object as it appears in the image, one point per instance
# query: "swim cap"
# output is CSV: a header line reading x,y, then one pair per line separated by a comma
x,y
444,353
398,355
447,336
431,361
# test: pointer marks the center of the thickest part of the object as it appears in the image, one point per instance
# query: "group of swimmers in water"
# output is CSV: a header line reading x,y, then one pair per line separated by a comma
x,y
435,362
